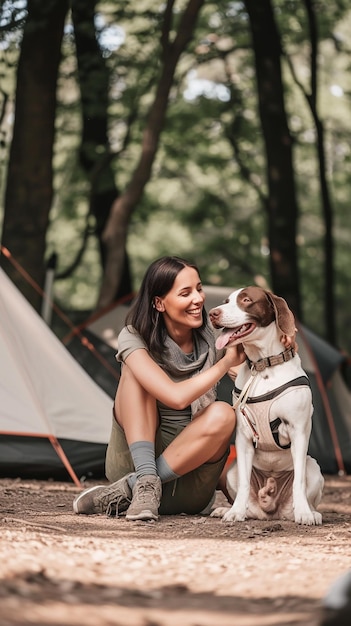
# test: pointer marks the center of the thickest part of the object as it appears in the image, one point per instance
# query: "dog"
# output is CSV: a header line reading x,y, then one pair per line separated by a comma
x,y
272,476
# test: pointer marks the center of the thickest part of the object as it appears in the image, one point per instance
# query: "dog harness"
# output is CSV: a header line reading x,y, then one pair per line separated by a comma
x,y
265,432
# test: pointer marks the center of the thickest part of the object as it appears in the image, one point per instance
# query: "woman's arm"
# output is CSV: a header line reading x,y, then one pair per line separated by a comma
x,y
178,395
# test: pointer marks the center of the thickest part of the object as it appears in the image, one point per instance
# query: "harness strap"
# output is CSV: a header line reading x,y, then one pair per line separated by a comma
x,y
243,394
275,434
244,399
296,382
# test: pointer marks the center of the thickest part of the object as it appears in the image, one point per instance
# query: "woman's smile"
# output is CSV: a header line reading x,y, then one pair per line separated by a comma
x,y
195,312
182,306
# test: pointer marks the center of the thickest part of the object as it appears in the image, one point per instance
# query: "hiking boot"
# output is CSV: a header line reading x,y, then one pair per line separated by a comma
x,y
111,499
147,493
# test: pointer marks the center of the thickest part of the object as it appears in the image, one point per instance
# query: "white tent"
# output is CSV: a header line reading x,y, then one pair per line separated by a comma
x,y
45,396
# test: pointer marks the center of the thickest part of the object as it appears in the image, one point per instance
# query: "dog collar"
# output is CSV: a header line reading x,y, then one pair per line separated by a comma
x,y
269,361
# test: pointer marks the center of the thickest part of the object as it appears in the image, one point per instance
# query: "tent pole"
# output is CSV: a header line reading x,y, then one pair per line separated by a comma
x,y
59,450
46,307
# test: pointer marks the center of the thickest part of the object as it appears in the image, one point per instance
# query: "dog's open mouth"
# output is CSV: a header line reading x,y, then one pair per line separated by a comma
x,y
233,334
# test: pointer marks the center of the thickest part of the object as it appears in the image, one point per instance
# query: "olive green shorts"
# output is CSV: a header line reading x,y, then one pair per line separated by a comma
x,y
188,494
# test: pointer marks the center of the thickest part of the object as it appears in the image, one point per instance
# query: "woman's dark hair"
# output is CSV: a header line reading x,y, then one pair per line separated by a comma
x,y
158,281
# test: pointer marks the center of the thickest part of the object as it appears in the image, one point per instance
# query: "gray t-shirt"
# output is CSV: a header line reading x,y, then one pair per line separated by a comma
x,y
128,341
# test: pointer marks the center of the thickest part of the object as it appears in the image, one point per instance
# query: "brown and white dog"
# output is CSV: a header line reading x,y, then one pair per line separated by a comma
x,y
272,477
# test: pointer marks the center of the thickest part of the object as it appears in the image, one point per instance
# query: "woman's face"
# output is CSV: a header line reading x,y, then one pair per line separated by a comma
x,y
182,306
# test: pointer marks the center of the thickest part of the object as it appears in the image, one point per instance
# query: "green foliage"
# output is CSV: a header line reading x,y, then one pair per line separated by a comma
x,y
206,197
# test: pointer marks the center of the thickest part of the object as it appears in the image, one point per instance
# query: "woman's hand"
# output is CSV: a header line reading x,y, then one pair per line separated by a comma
x,y
233,372
289,341
235,355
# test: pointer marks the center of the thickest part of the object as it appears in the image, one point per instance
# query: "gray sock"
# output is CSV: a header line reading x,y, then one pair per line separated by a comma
x,y
164,471
143,455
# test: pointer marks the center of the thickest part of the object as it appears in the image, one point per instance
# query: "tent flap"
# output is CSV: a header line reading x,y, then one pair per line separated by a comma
x,y
44,391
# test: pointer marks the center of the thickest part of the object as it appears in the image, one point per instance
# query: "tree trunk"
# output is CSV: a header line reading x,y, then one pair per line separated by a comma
x,y
115,233
29,186
312,99
95,155
282,204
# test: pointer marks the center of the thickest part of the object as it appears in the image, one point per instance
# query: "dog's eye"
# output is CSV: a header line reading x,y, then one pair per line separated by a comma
x,y
247,300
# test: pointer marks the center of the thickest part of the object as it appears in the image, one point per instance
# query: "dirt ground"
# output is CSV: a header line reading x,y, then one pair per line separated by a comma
x,y
57,568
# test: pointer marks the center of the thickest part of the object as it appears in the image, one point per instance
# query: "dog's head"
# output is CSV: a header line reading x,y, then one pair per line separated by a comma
x,y
247,309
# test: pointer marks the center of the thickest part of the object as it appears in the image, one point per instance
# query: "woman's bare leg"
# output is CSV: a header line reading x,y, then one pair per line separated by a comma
x,y
136,413
205,439
135,409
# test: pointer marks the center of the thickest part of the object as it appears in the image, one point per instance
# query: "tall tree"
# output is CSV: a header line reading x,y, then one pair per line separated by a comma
x,y
282,208
115,234
311,97
29,186
94,153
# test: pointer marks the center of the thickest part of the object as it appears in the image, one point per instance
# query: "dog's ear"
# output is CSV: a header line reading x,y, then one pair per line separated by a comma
x,y
283,316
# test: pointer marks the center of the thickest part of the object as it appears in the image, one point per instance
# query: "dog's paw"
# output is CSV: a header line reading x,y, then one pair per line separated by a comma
x,y
317,518
311,518
234,516
220,511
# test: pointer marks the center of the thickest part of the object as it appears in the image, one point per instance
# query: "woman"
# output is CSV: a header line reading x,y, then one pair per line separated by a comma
x,y
170,438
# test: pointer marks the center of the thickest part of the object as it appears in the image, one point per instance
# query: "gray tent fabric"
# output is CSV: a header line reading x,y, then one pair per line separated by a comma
x,y
105,375
325,356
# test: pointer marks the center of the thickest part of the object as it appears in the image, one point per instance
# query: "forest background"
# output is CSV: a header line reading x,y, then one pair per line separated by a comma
x,y
219,131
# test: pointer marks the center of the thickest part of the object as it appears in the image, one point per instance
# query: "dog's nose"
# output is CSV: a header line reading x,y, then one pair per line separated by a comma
x,y
214,315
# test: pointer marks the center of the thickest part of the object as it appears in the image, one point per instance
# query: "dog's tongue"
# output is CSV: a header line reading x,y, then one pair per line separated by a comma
x,y
223,338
